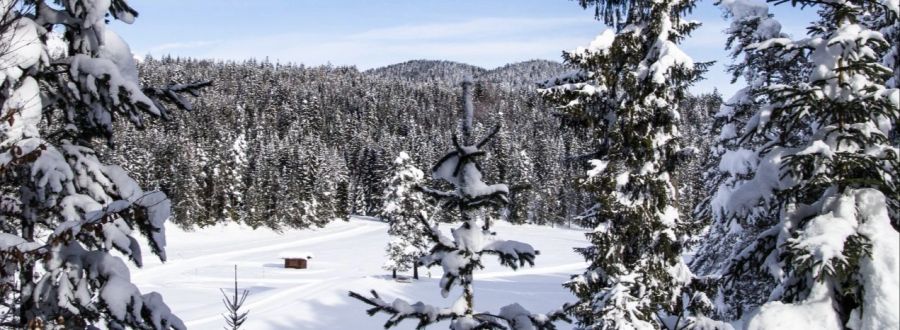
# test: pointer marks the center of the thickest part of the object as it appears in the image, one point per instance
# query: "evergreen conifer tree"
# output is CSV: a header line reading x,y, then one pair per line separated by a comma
x,y
404,207
81,208
734,159
235,184
460,255
832,251
631,81
235,317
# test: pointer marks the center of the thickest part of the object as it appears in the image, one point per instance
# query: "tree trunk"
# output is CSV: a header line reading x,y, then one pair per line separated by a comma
x,y
416,271
26,274
394,273
468,111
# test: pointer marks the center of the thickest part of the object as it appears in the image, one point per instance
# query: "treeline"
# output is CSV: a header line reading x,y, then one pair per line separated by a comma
x,y
292,146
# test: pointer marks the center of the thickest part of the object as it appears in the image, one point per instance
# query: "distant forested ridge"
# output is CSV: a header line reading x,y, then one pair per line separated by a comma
x,y
292,146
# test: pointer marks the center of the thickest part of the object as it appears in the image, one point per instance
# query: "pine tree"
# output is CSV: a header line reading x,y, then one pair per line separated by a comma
x,y
374,169
884,20
404,207
734,159
236,164
56,185
631,82
235,317
832,249
306,172
461,255
342,192
513,165
333,201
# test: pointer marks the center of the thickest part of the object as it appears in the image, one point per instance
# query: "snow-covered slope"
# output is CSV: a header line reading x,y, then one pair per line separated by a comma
x,y
524,74
347,256
515,75
429,71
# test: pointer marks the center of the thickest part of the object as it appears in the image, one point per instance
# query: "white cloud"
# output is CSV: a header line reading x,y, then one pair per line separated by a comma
x,y
487,42
175,47
476,28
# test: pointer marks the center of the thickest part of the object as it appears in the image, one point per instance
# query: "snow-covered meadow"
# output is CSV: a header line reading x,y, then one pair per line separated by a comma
x,y
347,256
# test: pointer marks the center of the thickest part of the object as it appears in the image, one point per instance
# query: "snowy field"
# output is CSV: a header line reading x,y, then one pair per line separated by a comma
x,y
347,256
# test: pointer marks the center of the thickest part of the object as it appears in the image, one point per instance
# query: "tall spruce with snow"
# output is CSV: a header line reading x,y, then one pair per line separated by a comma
x,y
736,156
696,126
62,206
885,21
404,208
884,18
832,252
628,88
235,186
460,255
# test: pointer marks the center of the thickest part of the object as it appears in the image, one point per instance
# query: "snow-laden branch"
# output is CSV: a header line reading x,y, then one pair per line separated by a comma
x,y
173,93
401,310
512,254
62,188
511,317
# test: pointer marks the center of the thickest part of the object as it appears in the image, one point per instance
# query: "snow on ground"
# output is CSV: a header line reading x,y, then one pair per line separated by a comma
x,y
348,256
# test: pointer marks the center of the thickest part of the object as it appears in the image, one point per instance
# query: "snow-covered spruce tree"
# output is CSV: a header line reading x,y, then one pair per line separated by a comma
x,y
883,20
735,156
62,206
234,209
460,255
696,127
630,83
832,253
404,206
304,175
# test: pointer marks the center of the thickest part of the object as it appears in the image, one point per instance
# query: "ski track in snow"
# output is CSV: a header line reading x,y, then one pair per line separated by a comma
x,y
348,256
264,303
196,262
537,270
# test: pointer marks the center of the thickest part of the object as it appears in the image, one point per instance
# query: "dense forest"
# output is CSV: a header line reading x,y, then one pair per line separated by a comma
x,y
775,207
283,145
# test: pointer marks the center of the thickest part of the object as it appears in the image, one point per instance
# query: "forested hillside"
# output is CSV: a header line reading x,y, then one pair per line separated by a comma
x,y
778,208
292,146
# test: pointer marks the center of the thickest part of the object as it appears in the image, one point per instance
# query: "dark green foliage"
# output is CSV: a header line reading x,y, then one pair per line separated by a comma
x,y
627,97
818,116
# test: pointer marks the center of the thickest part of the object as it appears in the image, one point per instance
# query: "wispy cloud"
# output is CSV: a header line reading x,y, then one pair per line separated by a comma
x,y
174,47
476,28
486,42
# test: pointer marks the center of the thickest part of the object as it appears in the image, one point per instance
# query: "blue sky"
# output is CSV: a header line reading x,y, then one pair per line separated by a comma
x,y
368,33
